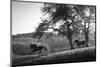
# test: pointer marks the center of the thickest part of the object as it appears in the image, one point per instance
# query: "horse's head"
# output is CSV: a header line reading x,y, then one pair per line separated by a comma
x,y
75,41
33,46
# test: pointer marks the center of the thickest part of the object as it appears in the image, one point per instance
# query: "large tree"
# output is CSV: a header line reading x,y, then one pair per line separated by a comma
x,y
68,16
61,13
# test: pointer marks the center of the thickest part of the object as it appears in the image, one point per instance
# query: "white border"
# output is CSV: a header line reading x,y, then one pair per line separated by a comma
x,y
5,33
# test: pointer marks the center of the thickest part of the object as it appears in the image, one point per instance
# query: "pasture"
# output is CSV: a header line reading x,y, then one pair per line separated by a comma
x,y
59,51
77,55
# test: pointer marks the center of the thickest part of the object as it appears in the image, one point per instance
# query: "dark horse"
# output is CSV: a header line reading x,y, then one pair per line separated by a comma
x,y
35,48
80,43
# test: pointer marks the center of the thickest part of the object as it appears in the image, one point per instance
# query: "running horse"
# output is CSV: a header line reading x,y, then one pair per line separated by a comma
x,y
80,43
35,48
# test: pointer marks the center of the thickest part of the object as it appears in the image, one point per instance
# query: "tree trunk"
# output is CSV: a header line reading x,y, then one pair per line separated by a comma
x,y
86,38
86,32
69,36
70,42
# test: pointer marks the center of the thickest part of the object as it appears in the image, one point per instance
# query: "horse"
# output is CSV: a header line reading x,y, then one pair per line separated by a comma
x,y
35,48
33,45
80,43
39,48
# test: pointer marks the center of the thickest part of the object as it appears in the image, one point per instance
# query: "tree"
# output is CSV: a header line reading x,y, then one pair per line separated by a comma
x,y
87,14
66,13
40,29
68,16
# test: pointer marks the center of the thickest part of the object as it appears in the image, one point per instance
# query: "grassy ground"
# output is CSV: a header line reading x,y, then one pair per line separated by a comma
x,y
59,51
66,56
20,46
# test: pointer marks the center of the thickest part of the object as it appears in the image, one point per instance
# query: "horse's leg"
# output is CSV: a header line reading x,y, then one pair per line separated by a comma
x,y
32,51
40,50
45,49
83,44
78,45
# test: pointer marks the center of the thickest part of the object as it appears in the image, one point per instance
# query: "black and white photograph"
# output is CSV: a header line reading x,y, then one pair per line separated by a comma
x,y
45,33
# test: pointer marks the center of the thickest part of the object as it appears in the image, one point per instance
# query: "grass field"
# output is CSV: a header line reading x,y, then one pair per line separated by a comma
x,y
59,51
21,45
68,56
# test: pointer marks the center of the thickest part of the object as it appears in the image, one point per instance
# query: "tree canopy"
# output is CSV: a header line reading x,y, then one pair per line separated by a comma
x,y
72,19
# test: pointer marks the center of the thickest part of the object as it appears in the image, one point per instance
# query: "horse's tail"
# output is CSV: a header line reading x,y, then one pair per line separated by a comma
x,y
86,44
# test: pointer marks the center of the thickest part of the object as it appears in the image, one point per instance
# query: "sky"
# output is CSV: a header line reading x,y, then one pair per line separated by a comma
x,y
25,16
